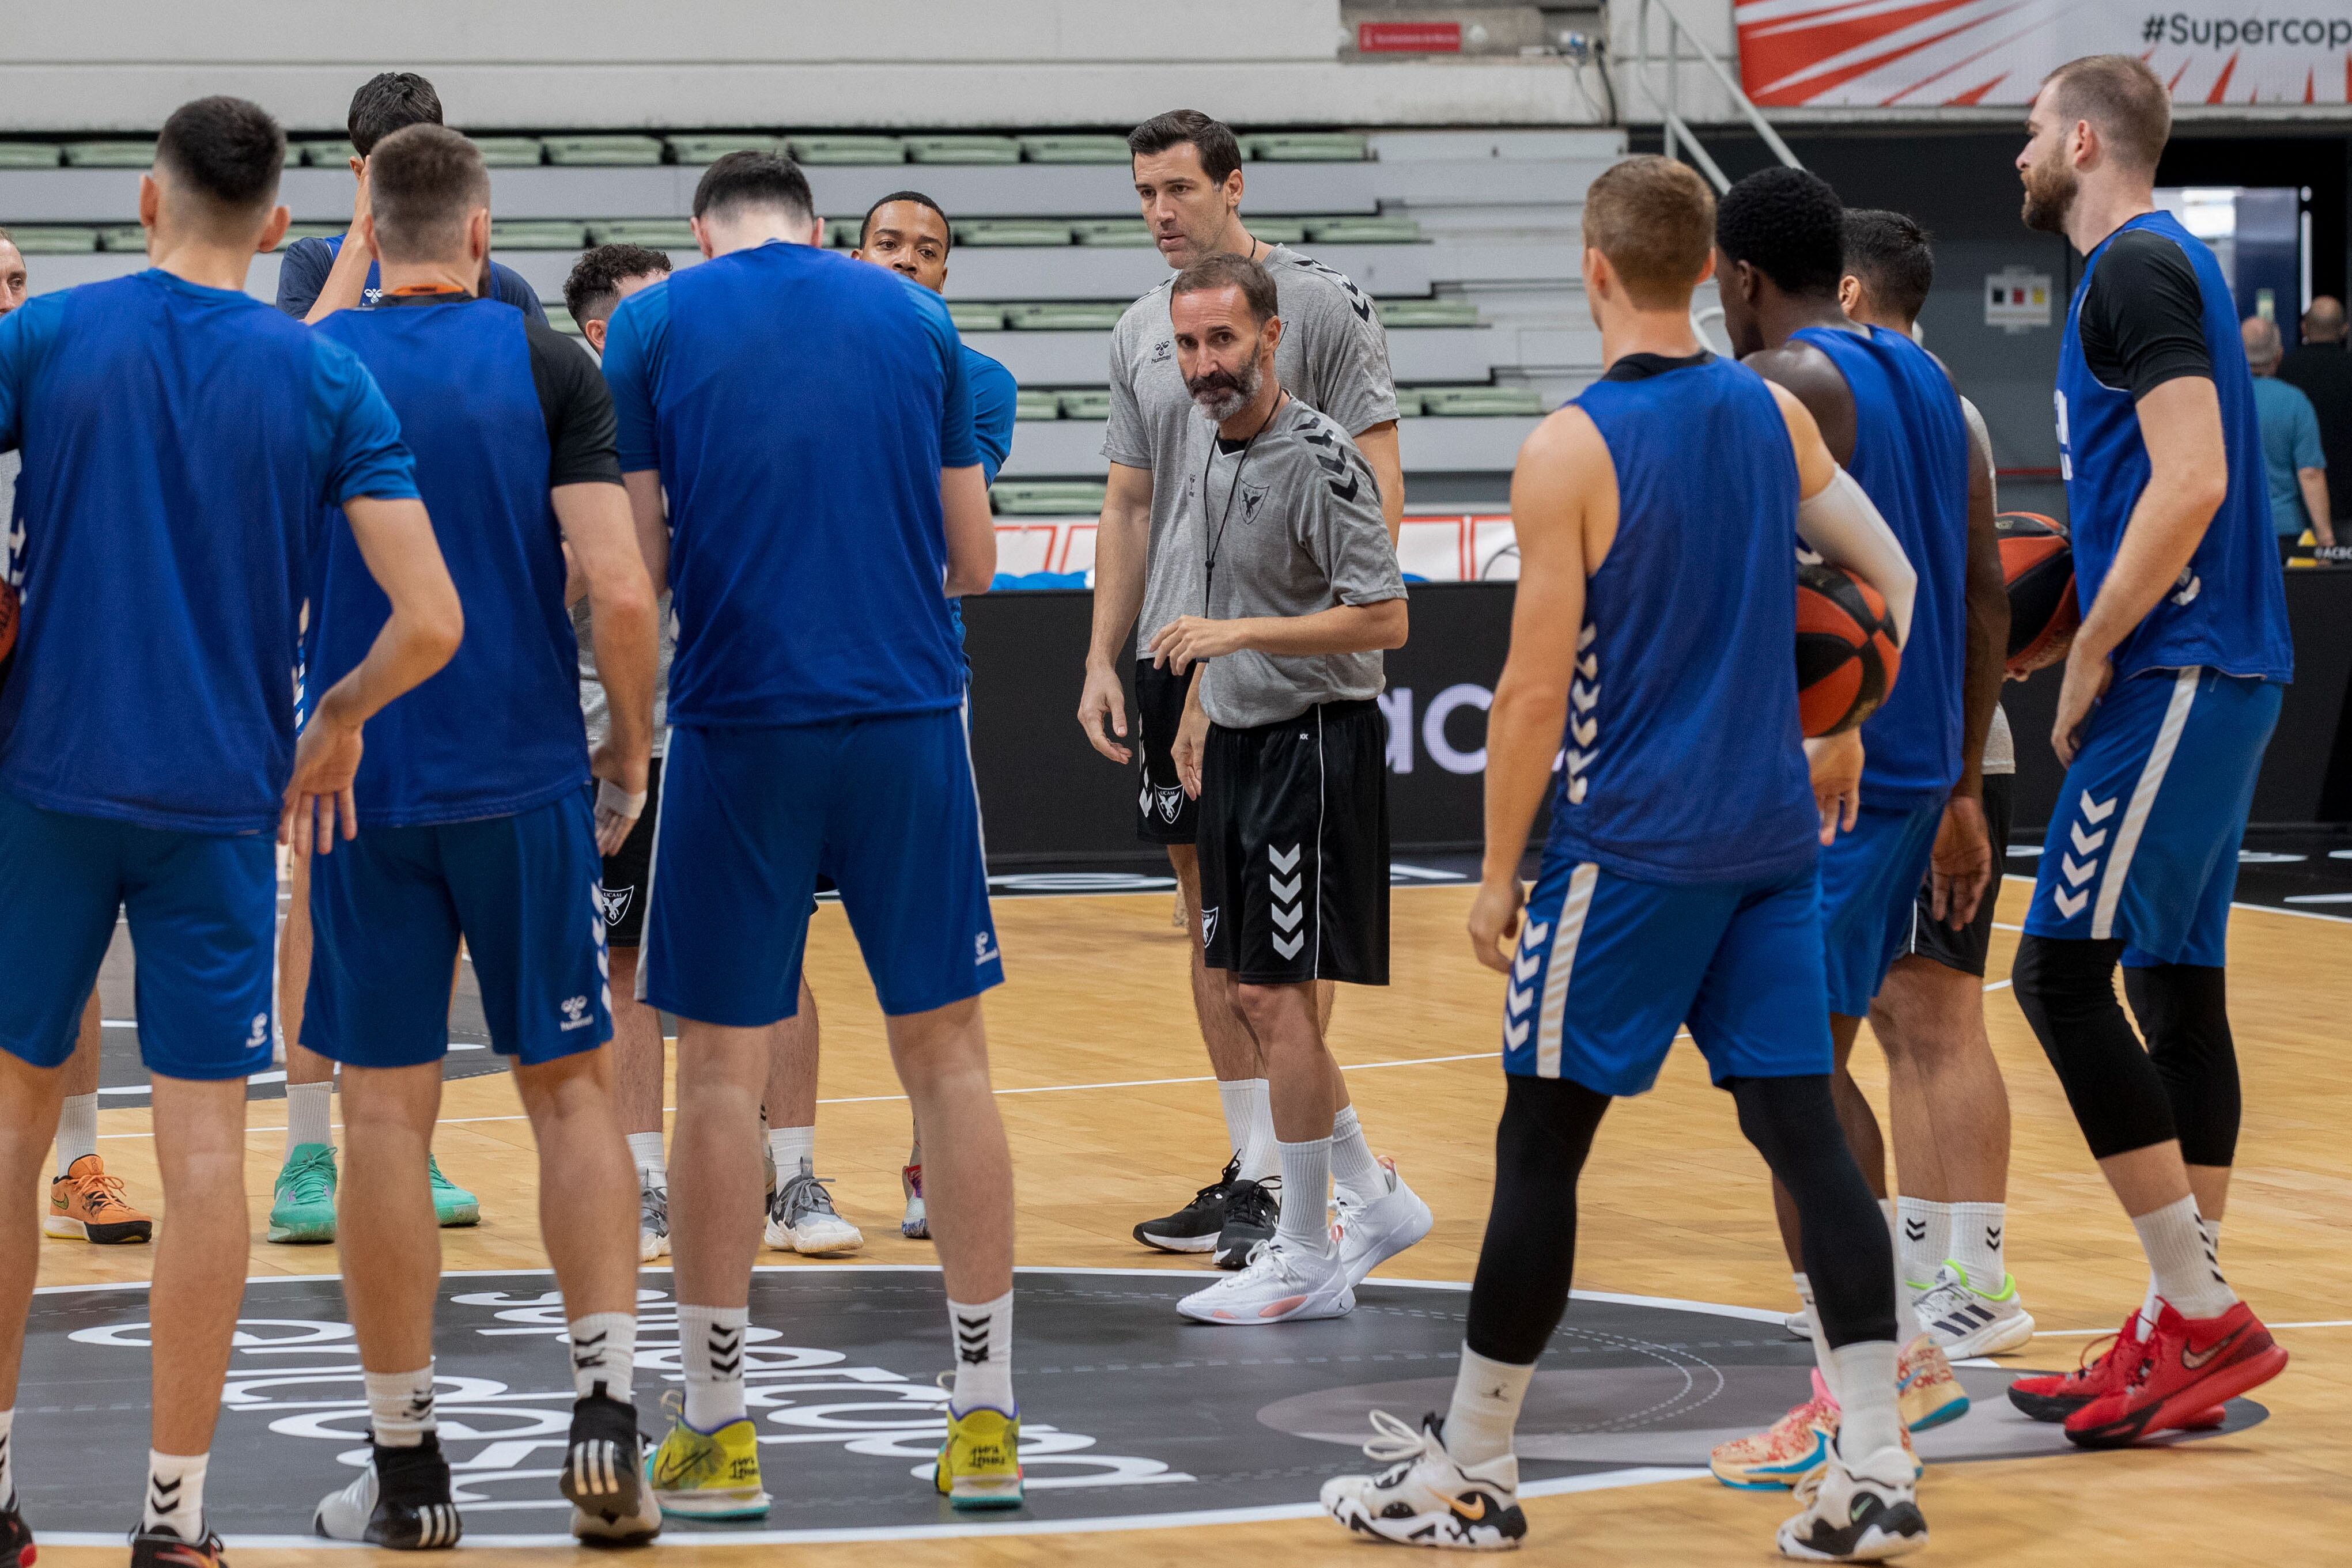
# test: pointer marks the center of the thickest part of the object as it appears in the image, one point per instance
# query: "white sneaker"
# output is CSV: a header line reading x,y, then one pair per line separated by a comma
x,y
1963,1322
653,1220
1367,1235
1423,1497
1278,1283
915,1224
1863,1512
802,1218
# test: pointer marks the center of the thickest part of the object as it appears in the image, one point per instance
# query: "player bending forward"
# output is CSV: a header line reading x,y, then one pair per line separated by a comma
x,y
1660,905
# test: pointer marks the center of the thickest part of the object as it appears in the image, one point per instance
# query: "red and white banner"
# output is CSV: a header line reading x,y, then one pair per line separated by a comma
x,y
1917,53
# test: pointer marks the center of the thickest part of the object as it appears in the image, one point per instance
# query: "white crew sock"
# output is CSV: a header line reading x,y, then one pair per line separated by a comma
x,y
1923,1239
1868,1419
1233,1096
2184,1259
795,1150
1977,1230
310,1116
1823,1362
984,1341
77,1130
176,1494
1353,1169
645,1153
710,1350
8,1460
605,1355
1306,1178
1259,1162
1486,1399
400,1406
1894,1248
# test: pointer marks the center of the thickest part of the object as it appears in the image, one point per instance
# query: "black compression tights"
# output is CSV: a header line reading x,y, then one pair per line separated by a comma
x,y
1541,1148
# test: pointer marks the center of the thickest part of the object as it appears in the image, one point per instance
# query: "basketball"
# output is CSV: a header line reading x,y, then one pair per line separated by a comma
x,y
2038,564
1846,655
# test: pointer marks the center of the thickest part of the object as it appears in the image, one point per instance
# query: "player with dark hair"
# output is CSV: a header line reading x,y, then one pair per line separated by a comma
x,y
318,276
2172,690
1660,905
144,775
1891,418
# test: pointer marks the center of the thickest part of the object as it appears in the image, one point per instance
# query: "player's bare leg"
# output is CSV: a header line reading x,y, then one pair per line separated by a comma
x,y
200,1261
639,1052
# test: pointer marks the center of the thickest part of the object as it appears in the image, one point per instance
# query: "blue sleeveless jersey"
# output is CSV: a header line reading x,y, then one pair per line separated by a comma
x,y
2229,611
497,731
1911,458
1684,758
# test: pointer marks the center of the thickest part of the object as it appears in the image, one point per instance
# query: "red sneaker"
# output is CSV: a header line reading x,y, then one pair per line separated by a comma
x,y
2187,1369
2053,1397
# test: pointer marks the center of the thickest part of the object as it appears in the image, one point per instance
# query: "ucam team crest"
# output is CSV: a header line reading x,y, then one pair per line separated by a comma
x,y
615,902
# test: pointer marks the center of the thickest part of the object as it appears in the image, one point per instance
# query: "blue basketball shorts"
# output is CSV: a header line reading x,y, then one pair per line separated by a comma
x,y
202,910
2143,847
1607,969
885,806
388,908
1870,884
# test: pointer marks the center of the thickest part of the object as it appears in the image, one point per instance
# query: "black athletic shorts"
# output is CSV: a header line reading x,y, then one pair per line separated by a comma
x,y
1295,848
1966,948
1164,814
623,890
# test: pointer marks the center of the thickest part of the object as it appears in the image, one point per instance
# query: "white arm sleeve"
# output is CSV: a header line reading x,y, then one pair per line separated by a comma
x,y
1842,526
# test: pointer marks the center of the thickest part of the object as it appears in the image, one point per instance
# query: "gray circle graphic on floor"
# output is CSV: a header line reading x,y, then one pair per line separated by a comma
x,y
1128,1410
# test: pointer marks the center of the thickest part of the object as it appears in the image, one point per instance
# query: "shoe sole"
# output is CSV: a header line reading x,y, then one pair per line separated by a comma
x,y
1866,1550
458,1219
1995,1338
625,1515
995,1495
658,1250
1950,1410
1430,1529
299,1235
68,1228
1176,1243
782,1241
1389,1247
1314,1304
2192,1403
702,1505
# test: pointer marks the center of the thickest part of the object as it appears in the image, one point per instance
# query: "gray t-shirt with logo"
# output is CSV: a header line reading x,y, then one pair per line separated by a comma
x,y
1287,527
1334,355
594,705
2000,748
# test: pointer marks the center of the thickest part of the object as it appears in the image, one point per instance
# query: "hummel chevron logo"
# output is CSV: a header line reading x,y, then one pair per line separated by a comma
x,y
1582,697
2196,585
2070,904
1287,917
971,1338
1588,665
1915,1230
1318,438
2077,874
1992,1238
1515,1033
2098,810
1289,946
1584,638
1521,1000
1535,938
725,1350
1283,861
1584,729
1284,891
2086,844
166,1494
1576,791
1346,495
1578,761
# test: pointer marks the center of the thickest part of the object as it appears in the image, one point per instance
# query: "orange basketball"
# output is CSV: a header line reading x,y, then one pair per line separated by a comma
x,y
2037,562
1846,653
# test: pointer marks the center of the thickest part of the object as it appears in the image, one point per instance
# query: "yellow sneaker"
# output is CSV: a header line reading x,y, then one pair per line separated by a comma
x,y
980,1463
1924,1387
708,1475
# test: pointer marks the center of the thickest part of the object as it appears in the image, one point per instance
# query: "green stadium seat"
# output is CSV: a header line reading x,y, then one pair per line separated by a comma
x,y
538,233
1011,232
27,155
54,239
334,153
848,150
1276,231
842,233
509,151
971,315
1075,149
604,151
128,237
1428,313
313,231
653,234
1037,405
962,150
1453,403
1065,316
1116,232
1363,231
1087,404
1309,147
108,154
1410,404
1046,497
711,149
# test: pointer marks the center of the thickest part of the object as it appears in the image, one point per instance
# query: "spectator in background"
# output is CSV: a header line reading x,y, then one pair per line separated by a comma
x,y
2291,455
2323,371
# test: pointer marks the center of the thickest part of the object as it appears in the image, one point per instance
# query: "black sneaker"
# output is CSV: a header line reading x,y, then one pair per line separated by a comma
x,y
1195,1226
401,1501
162,1548
604,1475
16,1535
1252,1211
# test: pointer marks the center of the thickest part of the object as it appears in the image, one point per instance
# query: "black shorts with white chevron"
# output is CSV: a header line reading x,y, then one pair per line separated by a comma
x,y
1294,842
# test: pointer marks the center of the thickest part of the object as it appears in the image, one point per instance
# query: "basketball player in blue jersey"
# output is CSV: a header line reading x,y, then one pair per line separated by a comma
x,y
795,432
498,846
1652,635
2170,693
178,439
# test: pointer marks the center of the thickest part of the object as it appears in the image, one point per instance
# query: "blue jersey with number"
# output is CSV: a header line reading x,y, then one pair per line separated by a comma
x,y
1911,458
1683,760
178,442
2228,609
496,731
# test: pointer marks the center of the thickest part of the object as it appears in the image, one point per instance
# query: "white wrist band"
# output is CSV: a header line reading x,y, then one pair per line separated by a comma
x,y
610,797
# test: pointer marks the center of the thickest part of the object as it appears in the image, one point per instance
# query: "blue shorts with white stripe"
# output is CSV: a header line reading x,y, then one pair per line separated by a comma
x,y
1608,968
2144,846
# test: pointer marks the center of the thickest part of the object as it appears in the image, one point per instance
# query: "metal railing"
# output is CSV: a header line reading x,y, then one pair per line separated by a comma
x,y
1679,138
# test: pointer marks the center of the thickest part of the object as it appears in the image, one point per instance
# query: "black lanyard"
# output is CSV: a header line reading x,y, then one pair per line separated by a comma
x,y
1213,542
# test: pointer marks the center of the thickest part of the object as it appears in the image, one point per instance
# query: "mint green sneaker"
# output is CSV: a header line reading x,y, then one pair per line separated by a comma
x,y
303,1207
452,1204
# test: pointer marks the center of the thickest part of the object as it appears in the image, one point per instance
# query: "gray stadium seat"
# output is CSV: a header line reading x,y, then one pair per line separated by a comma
x,y
538,233
1089,404
54,239
1115,231
711,149
971,315
1037,405
1456,402
510,151
1398,313
1312,147
603,151
842,233
1276,231
1012,231
334,153
1363,231
653,234
1048,498
27,155
108,154
1075,149
123,237
313,231
962,150
848,150
1409,402
1070,316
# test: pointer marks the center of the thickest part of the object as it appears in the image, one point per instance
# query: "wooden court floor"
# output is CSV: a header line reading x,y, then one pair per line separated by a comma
x,y
1675,1205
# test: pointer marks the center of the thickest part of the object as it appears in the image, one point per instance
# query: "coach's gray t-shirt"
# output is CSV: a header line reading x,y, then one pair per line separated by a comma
x,y
595,706
1300,531
2000,748
1333,357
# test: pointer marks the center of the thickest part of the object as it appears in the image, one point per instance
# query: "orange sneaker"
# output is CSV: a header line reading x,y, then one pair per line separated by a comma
x,y
88,1204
